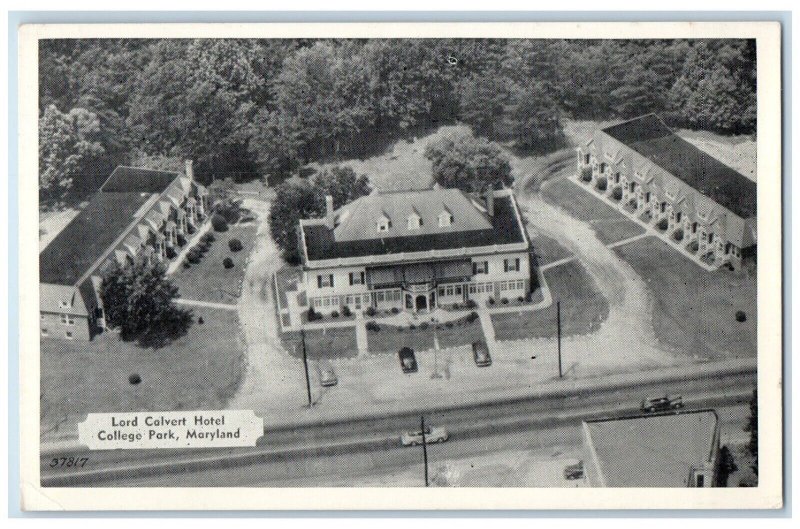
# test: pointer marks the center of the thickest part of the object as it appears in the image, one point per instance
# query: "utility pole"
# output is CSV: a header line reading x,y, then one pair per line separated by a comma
x,y
305,364
424,446
558,325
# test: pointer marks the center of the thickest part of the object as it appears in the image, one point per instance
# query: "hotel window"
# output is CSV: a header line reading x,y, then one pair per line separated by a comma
x,y
480,267
602,167
663,207
44,332
66,319
616,178
647,197
472,289
324,280
710,238
384,225
68,335
678,217
64,304
511,265
457,290
586,158
356,278
379,297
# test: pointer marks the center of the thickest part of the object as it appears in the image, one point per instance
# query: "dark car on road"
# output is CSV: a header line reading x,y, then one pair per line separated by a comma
x,y
480,352
664,403
407,360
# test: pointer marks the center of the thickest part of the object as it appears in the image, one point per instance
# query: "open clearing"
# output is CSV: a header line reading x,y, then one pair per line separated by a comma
x,y
694,310
200,370
337,342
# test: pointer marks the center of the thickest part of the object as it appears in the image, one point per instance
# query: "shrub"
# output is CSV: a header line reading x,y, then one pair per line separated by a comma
x,y
227,262
219,223
741,316
200,320
471,304
171,252
203,247
235,245
694,246
529,297
313,314
602,183
335,314
182,240
135,379
193,256
400,329
412,327
395,310
521,299
373,326
449,324
678,235
208,238
423,325
616,193
370,311
491,301
456,306
187,264
346,312
504,301
662,225
586,173
472,316
190,228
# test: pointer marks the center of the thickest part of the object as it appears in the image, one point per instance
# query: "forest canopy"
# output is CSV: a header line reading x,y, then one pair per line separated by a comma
x,y
244,108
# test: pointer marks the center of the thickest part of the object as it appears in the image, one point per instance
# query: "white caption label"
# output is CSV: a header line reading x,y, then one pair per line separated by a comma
x,y
171,429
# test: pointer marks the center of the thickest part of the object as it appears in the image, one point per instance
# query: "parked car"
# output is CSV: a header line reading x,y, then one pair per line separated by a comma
x,y
480,352
665,403
407,360
432,435
327,376
574,471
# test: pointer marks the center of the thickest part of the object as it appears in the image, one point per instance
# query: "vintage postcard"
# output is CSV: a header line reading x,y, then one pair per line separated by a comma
x,y
408,266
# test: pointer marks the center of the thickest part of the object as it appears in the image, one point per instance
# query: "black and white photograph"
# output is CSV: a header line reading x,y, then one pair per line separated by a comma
x,y
500,262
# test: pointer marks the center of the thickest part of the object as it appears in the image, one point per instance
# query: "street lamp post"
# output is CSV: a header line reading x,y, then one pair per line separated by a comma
x,y
305,365
558,331
424,447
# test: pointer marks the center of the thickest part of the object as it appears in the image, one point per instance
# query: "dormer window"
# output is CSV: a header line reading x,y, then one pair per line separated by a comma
x,y
445,219
384,224
414,221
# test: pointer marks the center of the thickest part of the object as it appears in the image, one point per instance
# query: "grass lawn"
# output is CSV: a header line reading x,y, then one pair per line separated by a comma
x,y
208,280
610,225
339,342
583,308
200,370
389,339
461,333
694,310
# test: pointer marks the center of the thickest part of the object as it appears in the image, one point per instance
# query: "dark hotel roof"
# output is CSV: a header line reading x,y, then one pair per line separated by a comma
x,y
651,138
505,229
129,179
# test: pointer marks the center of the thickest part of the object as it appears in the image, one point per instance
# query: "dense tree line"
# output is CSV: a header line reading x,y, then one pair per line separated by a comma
x,y
245,108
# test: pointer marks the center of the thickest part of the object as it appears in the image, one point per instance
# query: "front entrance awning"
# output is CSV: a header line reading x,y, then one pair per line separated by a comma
x,y
389,276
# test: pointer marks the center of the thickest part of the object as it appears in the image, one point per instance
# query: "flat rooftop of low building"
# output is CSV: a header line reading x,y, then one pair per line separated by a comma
x,y
501,228
649,136
90,234
652,451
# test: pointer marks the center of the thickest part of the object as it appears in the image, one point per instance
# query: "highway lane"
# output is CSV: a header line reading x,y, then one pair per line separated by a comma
x,y
296,448
491,455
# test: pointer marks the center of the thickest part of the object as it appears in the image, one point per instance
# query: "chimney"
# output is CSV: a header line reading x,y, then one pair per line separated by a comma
x,y
189,169
329,220
490,201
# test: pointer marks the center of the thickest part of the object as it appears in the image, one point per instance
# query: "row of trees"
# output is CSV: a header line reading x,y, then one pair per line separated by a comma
x,y
243,107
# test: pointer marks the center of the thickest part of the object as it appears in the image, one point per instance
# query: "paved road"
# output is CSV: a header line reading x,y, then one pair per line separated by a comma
x,y
339,451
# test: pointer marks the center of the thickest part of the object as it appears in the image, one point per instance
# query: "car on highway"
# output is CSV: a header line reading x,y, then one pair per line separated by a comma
x,y
327,376
408,362
480,352
433,434
574,471
663,403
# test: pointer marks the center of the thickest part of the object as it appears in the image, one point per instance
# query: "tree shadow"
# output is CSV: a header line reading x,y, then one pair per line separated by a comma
x,y
175,324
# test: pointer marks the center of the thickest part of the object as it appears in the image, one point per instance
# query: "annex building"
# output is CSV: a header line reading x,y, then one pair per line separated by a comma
x,y
416,251
665,450
701,204
136,211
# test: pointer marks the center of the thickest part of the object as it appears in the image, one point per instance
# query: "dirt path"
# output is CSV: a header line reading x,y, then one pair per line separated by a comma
x,y
629,328
267,363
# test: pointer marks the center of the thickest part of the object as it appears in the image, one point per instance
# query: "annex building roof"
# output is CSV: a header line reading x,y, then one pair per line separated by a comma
x,y
650,137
